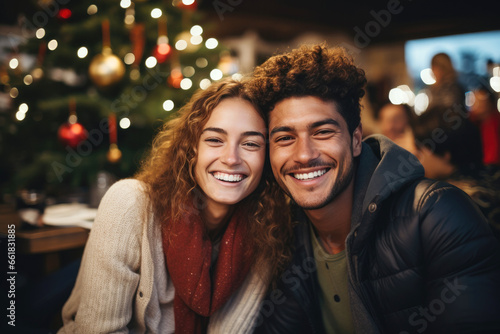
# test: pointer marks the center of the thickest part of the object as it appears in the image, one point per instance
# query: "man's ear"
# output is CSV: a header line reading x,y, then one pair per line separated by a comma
x,y
357,138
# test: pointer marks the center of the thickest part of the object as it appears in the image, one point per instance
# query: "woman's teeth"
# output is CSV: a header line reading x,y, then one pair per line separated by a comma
x,y
309,176
228,177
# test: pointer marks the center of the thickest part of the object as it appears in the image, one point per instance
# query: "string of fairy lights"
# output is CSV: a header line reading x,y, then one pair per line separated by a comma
x,y
188,41
403,94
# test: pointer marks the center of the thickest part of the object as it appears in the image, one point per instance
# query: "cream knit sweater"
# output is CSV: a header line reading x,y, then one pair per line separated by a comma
x,y
123,285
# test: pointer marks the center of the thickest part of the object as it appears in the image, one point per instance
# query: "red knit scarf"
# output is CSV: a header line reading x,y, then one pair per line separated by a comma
x,y
188,256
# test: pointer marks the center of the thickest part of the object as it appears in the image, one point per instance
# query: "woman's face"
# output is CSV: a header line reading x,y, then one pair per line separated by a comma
x,y
231,153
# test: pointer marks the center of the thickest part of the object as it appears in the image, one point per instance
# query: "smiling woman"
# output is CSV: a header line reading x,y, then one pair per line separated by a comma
x,y
192,243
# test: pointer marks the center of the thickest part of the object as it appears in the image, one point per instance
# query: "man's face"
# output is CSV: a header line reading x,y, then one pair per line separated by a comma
x,y
311,150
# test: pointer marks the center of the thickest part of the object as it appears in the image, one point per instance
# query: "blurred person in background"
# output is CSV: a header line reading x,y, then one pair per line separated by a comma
x,y
484,112
446,91
450,150
395,122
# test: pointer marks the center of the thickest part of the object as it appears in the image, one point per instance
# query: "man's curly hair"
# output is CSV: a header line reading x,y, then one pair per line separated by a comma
x,y
329,74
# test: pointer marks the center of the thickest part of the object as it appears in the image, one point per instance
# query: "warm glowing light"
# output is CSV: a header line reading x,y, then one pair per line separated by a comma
x,y
216,74
156,13
125,3
211,43
52,45
201,62
23,107
186,83
28,79
181,45
124,123
168,105
188,71
92,9
188,2
151,62
427,76
129,58
40,33
409,97
205,83
14,92
421,103
495,83
20,115
129,19
396,96
13,63
196,40
82,52
37,73
196,30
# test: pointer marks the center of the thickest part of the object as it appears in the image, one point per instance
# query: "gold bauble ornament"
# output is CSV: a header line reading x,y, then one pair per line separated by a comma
x,y
114,154
106,69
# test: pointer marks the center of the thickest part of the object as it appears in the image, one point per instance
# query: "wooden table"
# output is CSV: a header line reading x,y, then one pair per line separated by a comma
x,y
50,239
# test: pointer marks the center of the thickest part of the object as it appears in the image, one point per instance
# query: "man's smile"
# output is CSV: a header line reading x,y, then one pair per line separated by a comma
x,y
310,175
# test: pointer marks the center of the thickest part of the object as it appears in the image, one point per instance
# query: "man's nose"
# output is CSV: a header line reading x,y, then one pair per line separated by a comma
x,y
305,151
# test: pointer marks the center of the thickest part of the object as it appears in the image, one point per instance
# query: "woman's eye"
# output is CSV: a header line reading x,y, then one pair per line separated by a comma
x,y
252,144
213,140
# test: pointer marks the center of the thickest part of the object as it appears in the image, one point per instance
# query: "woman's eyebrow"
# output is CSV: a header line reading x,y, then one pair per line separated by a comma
x,y
218,130
244,134
253,133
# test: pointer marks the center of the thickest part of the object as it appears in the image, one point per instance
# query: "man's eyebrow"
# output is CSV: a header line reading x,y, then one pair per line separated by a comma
x,y
323,122
281,129
310,126
244,134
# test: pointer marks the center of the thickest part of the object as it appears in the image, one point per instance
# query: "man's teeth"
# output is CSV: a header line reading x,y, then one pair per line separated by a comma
x,y
228,177
308,176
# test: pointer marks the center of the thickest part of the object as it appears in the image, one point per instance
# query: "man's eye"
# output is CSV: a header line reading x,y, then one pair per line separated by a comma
x,y
284,138
324,132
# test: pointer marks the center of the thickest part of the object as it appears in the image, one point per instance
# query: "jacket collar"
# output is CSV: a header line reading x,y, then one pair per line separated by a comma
x,y
383,169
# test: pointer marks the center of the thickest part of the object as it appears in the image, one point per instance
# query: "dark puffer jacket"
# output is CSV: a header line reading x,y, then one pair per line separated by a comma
x,y
421,257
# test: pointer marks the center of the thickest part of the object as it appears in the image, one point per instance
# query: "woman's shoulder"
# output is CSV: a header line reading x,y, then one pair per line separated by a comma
x,y
126,191
124,204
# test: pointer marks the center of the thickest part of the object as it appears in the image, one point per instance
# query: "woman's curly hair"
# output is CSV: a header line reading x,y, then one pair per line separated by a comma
x,y
329,74
168,173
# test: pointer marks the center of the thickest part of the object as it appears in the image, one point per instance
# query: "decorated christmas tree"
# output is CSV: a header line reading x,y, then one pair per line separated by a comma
x,y
103,77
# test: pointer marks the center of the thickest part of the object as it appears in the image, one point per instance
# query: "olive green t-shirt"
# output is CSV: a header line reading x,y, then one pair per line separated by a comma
x,y
334,297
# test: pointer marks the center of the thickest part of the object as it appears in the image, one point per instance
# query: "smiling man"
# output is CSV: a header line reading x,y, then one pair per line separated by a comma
x,y
378,248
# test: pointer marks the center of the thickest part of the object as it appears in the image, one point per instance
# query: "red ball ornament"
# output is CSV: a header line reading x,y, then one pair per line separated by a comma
x,y
72,134
162,52
64,14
